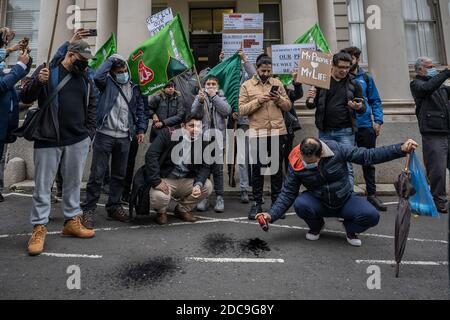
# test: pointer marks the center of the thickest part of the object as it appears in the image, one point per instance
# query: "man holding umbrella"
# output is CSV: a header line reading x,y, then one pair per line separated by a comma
x,y
321,166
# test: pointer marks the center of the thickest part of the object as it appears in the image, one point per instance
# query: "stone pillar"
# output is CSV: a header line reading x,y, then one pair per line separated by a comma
x,y
388,60
106,20
247,6
327,21
131,24
46,21
444,6
298,17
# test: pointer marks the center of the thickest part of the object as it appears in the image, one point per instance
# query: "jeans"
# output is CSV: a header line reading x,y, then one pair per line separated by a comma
x,y
105,148
345,137
367,138
358,214
2,164
72,159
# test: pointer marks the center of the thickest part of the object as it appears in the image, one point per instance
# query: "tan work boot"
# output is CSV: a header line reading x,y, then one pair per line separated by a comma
x,y
37,241
185,216
162,219
74,228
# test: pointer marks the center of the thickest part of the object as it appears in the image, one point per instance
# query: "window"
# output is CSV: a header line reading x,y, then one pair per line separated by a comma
x,y
421,26
272,23
22,16
357,27
208,21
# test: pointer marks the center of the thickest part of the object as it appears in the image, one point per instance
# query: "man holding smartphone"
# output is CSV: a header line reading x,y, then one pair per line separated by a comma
x,y
369,123
337,107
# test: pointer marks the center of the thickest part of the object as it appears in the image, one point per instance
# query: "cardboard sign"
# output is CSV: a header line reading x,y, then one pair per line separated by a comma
x,y
315,69
158,21
244,31
286,58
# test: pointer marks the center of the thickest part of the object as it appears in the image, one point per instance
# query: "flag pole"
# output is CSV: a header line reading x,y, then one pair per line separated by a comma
x,y
52,39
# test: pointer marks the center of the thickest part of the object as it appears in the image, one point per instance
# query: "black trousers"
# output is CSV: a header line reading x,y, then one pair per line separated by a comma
x,y
257,159
105,148
367,138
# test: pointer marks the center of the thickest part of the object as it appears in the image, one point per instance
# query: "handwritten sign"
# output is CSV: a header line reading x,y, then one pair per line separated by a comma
x,y
244,31
158,21
315,69
286,58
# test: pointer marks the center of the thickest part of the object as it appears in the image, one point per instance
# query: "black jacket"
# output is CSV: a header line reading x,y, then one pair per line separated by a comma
x,y
353,91
432,103
34,90
291,118
159,165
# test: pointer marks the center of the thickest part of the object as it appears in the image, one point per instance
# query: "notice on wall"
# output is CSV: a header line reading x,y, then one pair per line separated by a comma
x,y
244,31
315,69
158,21
286,58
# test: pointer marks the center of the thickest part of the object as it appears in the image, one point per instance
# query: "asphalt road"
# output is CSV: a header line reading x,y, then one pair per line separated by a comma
x,y
145,261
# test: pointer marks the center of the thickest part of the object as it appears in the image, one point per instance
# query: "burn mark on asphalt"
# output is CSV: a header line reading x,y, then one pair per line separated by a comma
x,y
218,244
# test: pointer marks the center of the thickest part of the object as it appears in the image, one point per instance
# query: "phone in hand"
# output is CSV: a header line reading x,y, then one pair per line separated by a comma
x,y
92,32
358,100
275,90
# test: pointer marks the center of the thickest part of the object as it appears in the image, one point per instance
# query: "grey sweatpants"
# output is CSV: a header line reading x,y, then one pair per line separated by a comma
x,y
46,161
436,155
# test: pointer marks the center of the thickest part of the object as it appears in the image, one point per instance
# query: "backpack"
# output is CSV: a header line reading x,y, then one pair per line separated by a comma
x,y
140,195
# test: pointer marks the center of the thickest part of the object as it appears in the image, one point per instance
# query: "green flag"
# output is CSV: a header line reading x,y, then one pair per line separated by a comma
x,y
229,75
106,51
313,35
161,58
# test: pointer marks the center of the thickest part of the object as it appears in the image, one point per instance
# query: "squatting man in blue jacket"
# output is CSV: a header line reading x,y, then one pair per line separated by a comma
x,y
321,166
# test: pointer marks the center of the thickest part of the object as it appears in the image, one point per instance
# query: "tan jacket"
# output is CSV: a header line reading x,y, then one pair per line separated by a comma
x,y
265,119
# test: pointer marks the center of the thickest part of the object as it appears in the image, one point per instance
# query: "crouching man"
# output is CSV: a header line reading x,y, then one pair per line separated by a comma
x,y
175,171
321,166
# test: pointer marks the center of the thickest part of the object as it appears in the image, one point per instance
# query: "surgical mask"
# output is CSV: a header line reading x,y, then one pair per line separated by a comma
x,y
432,72
2,59
80,66
123,78
310,166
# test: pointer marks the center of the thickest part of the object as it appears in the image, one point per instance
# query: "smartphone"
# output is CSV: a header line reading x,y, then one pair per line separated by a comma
x,y
92,32
274,89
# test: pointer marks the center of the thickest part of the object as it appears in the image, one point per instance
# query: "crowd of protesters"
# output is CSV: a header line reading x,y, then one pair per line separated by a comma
x,y
103,112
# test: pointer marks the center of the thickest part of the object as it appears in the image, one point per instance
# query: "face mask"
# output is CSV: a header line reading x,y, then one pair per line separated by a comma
x,y
214,88
354,68
432,72
123,78
310,166
80,66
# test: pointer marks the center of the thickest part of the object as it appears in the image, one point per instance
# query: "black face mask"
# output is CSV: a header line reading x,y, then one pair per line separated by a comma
x,y
354,68
80,66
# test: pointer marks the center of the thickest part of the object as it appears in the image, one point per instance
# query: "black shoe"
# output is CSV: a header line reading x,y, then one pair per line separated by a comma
x,y
441,208
377,203
87,219
2,199
126,198
254,211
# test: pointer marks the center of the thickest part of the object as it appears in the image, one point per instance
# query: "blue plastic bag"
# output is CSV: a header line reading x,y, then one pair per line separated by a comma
x,y
422,202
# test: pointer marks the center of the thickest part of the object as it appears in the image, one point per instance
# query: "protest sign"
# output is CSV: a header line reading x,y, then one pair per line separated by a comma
x,y
158,21
315,69
285,58
244,31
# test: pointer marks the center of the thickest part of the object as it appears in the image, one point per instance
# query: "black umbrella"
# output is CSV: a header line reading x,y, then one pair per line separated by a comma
x,y
405,190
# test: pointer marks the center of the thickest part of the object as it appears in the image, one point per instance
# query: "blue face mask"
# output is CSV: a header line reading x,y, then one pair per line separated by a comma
x,y
432,72
310,166
123,78
2,59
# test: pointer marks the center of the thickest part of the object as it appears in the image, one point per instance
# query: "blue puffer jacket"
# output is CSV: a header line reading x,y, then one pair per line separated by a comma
x,y
9,103
109,92
374,112
329,183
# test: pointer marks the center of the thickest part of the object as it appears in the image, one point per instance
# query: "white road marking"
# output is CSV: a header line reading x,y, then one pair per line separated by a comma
x,y
390,203
410,263
18,195
65,255
232,260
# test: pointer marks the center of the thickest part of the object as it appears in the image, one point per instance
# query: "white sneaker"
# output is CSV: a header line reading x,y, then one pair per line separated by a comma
x,y
354,241
203,206
314,237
